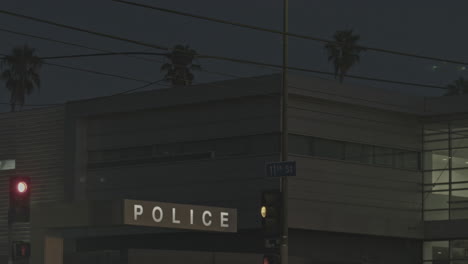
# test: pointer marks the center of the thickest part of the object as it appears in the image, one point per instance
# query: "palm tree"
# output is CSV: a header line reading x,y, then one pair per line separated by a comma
x,y
458,87
178,70
344,52
21,74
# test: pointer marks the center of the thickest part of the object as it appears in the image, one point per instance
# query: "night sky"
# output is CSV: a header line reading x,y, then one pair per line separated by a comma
x,y
429,27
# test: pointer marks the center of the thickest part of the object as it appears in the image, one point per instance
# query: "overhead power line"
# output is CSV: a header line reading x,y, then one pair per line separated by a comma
x,y
104,54
222,21
96,72
67,43
91,71
235,60
82,30
249,62
324,72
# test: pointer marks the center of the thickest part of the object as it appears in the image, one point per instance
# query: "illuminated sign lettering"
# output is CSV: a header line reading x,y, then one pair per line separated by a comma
x,y
181,216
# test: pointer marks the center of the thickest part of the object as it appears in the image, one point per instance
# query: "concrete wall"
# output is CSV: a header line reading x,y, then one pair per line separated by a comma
x,y
351,197
139,256
346,197
338,248
353,123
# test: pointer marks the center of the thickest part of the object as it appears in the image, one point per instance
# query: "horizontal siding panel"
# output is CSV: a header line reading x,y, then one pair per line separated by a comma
x,y
252,108
36,140
189,133
349,123
324,189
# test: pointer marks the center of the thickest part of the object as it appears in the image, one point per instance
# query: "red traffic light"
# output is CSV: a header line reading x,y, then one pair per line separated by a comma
x,y
21,250
20,199
271,259
22,187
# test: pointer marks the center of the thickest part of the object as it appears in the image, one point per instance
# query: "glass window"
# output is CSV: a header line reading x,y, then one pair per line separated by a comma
x,y
301,145
461,185
459,212
383,156
459,197
9,164
436,177
461,142
436,215
436,187
459,126
460,158
460,175
436,160
436,250
362,153
359,152
436,200
436,144
459,250
328,148
436,137
406,159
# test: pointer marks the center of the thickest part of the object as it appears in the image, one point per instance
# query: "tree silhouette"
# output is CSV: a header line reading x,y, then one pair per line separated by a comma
x,y
178,70
458,87
20,71
344,52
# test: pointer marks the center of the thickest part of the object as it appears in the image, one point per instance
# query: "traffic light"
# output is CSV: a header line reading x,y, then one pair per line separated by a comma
x,y
271,259
21,250
271,212
20,199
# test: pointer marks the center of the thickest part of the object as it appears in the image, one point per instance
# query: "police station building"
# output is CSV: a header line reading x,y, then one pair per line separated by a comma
x,y
176,175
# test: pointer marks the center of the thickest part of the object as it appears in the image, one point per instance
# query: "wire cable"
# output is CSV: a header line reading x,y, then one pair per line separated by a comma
x,y
71,44
103,54
251,62
235,60
44,21
405,54
96,72
90,71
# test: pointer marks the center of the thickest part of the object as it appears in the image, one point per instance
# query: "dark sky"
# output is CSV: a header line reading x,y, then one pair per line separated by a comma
x,y
426,27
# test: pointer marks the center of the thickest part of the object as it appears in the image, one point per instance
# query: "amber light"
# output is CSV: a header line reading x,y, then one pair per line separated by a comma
x,y
263,212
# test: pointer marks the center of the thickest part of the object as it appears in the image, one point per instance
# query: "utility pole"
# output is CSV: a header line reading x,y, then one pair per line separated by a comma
x,y
284,137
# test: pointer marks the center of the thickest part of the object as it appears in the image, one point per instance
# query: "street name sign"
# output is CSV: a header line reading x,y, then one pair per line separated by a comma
x,y
180,216
281,169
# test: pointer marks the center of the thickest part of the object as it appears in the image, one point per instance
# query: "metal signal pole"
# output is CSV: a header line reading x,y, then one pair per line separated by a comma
x,y
284,137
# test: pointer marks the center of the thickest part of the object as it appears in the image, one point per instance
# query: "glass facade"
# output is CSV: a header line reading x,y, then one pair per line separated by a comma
x,y
445,252
184,151
445,167
354,152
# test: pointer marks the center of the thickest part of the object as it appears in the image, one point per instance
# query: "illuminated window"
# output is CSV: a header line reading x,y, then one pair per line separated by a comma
x,y
7,164
354,152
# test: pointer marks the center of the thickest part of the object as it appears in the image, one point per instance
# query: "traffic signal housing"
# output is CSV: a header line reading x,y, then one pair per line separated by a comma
x,y
271,259
20,199
21,250
271,213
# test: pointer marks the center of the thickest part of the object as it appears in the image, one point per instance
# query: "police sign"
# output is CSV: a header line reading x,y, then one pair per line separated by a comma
x,y
180,216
